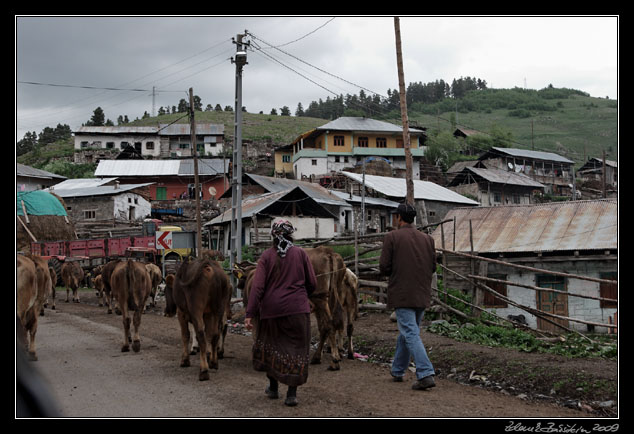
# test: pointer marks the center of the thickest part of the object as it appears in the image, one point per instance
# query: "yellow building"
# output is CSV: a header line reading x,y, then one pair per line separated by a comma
x,y
346,142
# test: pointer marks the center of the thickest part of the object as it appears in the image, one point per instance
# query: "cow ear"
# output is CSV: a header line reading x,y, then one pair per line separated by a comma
x,y
237,272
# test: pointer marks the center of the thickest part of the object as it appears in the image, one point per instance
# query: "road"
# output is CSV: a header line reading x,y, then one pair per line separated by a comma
x,y
78,347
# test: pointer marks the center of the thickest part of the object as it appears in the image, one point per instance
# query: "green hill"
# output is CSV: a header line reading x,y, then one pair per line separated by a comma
x,y
565,121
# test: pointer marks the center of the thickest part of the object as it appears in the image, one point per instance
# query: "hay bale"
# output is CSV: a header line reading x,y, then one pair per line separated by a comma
x,y
44,228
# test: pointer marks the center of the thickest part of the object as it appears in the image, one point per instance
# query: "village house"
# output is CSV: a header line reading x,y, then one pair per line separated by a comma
x,y
592,172
29,178
93,200
343,143
494,187
93,144
574,237
432,201
310,218
551,170
171,179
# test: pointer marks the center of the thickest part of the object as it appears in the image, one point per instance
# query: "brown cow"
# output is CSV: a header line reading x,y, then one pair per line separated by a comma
x,y
326,300
105,271
200,293
350,308
72,275
53,274
33,286
156,276
130,285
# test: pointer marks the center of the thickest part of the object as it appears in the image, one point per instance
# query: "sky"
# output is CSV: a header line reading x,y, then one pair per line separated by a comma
x,y
77,61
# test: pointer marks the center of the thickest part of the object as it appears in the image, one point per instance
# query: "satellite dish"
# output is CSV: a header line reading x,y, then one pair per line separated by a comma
x,y
212,191
510,165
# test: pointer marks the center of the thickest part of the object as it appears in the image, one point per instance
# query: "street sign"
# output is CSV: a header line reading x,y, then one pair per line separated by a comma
x,y
163,240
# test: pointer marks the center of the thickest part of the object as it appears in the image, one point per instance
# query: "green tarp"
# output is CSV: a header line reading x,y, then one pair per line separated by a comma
x,y
39,202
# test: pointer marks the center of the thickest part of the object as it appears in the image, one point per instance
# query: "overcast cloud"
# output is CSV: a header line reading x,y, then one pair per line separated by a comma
x,y
176,53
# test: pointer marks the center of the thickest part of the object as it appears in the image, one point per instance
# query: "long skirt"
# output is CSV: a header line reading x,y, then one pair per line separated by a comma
x,y
281,348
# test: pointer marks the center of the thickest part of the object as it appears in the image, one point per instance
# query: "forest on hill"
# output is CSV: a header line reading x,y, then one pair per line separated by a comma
x,y
568,122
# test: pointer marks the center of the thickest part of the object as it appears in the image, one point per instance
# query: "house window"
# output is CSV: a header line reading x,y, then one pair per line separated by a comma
x,y
90,214
84,144
362,142
336,158
345,159
608,290
516,199
109,145
124,144
149,145
381,142
286,158
491,300
183,145
313,162
339,140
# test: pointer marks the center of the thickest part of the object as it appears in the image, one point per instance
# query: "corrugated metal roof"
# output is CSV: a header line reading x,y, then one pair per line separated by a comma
x,y
313,190
425,190
499,176
104,190
368,200
558,226
117,130
32,172
183,129
361,124
525,153
71,184
137,167
206,167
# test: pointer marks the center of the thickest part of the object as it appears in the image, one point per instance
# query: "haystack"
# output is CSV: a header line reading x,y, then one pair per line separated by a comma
x,y
41,216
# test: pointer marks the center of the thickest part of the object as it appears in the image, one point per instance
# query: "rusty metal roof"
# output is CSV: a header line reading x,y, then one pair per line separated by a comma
x,y
551,227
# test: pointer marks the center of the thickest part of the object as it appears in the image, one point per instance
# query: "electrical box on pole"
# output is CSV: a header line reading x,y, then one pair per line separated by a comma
x,y
236,178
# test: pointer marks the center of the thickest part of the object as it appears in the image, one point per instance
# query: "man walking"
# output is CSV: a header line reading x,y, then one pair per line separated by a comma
x,y
409,259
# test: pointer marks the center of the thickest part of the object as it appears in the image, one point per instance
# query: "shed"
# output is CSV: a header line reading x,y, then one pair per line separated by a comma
x,y
495,187
573,237
310,218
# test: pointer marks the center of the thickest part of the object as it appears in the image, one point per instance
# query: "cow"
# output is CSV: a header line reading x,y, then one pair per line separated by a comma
x,y
33,287
105,271
350,308
53,275
156,276
72,275
326,301
130,285
199,293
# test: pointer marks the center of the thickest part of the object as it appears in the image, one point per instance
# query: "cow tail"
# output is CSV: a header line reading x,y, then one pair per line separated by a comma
x,y
337,308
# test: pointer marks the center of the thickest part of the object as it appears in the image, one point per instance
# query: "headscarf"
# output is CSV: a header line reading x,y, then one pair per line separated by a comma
x,y
282,229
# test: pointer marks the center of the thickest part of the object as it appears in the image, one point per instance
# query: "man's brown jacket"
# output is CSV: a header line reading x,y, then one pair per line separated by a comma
x,y
409,259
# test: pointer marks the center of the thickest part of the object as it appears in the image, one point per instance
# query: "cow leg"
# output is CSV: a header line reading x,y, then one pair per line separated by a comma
x,y
223,335
136,341
76,294
126,327
185,337
212,332
336,357
53,296
199,329
31,328
350,329
326,332
67,294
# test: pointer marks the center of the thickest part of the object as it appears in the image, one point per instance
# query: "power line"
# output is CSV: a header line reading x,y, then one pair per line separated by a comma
x,y
93,87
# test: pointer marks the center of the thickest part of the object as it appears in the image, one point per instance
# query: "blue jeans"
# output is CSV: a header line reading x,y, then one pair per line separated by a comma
x,y
409,344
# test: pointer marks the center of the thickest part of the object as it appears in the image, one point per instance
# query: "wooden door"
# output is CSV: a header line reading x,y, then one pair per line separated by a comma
x,y
552,302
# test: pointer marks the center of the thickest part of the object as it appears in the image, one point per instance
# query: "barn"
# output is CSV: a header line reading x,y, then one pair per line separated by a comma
x,y
573,238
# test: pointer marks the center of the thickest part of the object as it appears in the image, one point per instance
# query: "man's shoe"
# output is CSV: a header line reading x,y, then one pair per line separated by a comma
x,y
397,379
424,383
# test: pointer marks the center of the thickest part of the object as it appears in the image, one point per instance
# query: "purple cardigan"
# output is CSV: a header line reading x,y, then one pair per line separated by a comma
x,y
281,290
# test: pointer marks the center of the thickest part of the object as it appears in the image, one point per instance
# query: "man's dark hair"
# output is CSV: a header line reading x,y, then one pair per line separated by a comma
x,y
407,212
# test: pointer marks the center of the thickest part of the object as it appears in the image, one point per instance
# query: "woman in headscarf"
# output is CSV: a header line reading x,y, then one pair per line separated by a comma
x,y
283,281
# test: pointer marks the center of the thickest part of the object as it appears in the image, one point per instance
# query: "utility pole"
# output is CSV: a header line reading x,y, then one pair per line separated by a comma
x,y
153,100
192,128
409,183
236,177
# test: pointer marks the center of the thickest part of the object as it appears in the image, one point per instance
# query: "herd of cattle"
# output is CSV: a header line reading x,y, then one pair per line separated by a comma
x,y
198,293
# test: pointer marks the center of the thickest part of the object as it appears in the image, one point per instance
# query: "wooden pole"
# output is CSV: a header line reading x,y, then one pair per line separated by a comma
x,y
409,183
199,241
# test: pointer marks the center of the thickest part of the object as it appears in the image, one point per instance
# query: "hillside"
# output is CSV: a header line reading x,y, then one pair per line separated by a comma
x,y
563,121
